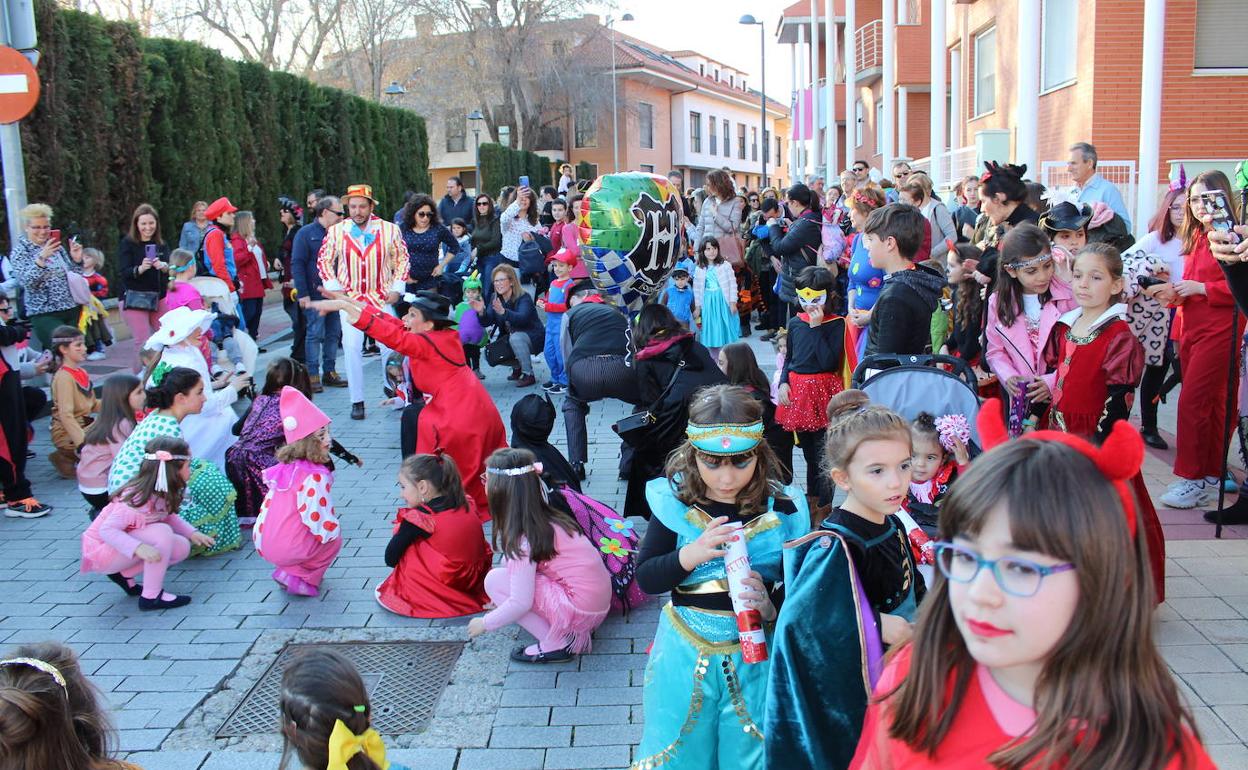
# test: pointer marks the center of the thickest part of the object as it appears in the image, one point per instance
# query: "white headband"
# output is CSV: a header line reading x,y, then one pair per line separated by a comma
x,y
534,468
43,666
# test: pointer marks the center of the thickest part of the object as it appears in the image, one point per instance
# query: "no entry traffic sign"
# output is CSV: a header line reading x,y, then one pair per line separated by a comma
x,y
19,86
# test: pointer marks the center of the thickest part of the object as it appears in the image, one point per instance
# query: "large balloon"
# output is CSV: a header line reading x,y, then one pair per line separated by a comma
x,y
631,234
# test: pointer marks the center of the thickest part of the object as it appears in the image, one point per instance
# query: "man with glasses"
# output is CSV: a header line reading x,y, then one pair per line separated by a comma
x,y
861,171
14,420
321,338
365,259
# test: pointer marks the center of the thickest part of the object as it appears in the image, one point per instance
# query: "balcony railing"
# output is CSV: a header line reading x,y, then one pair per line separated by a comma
x,y
869,51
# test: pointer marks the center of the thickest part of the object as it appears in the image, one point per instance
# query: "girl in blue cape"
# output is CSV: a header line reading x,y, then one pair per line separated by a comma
x,y
704,706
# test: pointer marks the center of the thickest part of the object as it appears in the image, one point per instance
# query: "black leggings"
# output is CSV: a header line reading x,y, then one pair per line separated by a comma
x,y
811,443
97,501
1150,391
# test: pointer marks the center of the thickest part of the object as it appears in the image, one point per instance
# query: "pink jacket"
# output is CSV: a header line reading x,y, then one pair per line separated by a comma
x,y
1009,350
109,534
96,460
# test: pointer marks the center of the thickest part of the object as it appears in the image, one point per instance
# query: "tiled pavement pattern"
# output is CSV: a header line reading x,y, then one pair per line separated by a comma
x,y
156,669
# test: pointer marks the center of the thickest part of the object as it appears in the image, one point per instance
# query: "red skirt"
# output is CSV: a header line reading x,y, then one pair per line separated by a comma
x,y
809,395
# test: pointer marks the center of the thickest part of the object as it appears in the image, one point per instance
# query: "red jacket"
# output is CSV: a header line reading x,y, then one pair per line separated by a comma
x,y
251,276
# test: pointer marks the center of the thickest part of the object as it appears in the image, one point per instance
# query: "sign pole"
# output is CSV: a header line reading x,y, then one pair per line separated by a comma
x,y
17,29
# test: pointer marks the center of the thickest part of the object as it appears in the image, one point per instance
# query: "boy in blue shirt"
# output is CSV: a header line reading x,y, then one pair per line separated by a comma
x,y
678,296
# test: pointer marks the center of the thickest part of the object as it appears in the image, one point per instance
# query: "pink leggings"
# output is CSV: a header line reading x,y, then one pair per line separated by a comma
x,y
173,549
142,324
498,586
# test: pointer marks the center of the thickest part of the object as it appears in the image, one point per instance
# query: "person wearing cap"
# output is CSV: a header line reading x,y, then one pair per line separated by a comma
x,y
297,530
218,253
460,417
177,340
364,259
555,305
678,296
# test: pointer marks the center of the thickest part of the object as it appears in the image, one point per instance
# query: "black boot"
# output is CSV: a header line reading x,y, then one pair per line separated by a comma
x,y
357,410
1232,515
1153,438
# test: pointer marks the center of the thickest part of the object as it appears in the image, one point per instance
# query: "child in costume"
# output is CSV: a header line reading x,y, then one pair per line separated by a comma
x,y
714,298
259,436
555,305
51,713
208,504
553,582
326,716
94,320
182,293
140,531
940,454
398,389
1027,301
1098,363
853,584
704,705
73,398
1019,661
678,296
297,530
121,401
471,335
178,340
438,550
820,363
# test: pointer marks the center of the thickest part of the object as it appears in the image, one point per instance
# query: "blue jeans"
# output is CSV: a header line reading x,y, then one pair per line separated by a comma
x,y
554,355
321,341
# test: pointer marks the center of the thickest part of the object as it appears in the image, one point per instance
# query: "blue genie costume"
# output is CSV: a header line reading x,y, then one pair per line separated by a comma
x,y
704,706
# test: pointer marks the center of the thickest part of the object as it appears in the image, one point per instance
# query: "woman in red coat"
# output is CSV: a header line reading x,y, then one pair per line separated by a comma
x,y
249,261
459,417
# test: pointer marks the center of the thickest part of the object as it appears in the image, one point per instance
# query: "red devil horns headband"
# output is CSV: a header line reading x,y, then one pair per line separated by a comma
x,y
1119,458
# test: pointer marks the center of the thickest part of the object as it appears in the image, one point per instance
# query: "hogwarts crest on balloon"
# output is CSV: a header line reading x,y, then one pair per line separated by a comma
x,y
631,239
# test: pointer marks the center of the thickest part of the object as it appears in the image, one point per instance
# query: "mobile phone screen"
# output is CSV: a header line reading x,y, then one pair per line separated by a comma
x,y
524,181
1219,207
149,251
55,235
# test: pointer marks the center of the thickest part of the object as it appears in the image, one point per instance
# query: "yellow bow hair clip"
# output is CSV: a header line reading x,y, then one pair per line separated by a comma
x,y
344,744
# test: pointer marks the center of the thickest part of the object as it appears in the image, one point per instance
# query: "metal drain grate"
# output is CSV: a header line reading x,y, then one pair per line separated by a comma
x,y
404,681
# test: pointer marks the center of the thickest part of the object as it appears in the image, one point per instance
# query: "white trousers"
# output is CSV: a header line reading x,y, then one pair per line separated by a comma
x,y
353,353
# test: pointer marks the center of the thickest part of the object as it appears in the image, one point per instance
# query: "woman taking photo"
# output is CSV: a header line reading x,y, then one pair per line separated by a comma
x,y
424,236
518,223
41,265
143,264
512,310
1206,329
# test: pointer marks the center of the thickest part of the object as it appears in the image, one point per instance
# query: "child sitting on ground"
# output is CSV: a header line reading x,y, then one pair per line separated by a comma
x,y
552,582
297,530
51,714
326,716
140,530
438,550
121,401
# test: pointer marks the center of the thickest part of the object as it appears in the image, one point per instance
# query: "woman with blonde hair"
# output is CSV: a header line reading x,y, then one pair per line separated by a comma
x,y
41,266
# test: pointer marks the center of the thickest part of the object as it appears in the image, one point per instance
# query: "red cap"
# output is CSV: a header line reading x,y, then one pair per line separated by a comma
x,y
218,207
566,256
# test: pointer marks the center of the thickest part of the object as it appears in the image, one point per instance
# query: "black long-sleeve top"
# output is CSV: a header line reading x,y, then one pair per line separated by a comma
x,y
885,568
408,532
487,239
814,350
130,256
658,561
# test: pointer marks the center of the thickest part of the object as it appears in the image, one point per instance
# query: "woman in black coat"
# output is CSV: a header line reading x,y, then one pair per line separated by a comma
x,y
662,343
143,264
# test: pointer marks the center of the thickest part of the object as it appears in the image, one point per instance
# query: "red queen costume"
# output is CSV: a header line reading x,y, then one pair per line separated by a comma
x,y
297,531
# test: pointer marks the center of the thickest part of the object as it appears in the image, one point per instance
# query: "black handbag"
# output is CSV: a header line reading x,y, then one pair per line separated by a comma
x,y
499,352
141,300
658,424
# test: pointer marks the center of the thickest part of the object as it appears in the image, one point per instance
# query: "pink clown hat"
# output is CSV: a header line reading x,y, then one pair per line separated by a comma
x,y
300,417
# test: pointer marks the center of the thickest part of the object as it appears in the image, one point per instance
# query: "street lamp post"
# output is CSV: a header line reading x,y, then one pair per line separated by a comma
x,y
615,118
762,88
475,118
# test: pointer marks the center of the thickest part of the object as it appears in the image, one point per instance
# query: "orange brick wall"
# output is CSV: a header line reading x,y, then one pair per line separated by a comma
x,y
914,45
632,154
918,125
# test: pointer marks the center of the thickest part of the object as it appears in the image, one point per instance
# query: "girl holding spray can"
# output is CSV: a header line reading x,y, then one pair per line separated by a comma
x,y
704,699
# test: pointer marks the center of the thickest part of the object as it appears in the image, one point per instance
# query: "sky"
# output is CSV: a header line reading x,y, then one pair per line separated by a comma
x,y
710,27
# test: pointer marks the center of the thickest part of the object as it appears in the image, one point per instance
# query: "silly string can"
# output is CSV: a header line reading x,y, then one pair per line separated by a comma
x,y
749,620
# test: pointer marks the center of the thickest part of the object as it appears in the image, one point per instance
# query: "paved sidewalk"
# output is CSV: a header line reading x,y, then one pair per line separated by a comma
x,y
167,675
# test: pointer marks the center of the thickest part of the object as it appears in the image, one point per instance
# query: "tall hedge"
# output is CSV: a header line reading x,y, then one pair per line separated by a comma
x,y
501,166
124,120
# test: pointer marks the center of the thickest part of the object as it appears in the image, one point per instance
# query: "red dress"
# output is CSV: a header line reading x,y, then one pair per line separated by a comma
x,y
460,418
442,575
974,735
1096,376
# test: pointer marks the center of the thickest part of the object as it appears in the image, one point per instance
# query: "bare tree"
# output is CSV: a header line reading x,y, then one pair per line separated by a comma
x,y
279,34
367,41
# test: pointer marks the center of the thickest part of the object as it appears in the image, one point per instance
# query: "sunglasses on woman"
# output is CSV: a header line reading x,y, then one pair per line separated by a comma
x,y
483,203
424,213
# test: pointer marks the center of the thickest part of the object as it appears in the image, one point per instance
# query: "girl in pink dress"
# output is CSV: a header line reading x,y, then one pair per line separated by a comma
x,y
138,532
297,531
553,582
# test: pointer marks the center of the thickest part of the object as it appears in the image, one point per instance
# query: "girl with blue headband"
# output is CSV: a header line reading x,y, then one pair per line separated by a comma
x,y
704,705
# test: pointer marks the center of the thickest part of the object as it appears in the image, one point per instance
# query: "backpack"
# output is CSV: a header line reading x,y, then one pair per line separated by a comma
x,y
616,541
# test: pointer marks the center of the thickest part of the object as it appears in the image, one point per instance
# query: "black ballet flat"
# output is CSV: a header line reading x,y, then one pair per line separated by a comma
x,y
1153,439
131,590
161,604
554,656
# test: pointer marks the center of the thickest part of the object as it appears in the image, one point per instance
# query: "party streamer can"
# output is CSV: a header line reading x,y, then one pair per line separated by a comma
x,y
749,621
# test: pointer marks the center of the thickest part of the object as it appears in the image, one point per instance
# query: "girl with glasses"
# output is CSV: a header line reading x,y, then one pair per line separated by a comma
x,y
1020,657
704,705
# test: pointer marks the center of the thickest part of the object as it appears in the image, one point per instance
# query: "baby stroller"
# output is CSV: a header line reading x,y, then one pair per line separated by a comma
x,y
239,346
909,384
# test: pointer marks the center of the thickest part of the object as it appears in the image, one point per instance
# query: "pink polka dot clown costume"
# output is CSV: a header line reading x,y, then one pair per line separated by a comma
x,y
297,531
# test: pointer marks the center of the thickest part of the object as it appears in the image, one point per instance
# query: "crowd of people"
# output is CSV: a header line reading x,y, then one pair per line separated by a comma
x,y
904,537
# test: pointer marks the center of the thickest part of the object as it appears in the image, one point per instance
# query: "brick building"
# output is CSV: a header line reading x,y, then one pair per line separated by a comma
x,y
1022,80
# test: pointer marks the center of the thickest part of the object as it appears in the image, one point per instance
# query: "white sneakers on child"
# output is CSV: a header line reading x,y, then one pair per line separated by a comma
x,y
98,355
1188,493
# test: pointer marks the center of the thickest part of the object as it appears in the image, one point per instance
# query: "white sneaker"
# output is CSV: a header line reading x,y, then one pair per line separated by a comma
x,y
96,356
1187,493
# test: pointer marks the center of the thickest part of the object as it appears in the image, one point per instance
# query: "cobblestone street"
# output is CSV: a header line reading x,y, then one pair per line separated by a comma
x,y
171,677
